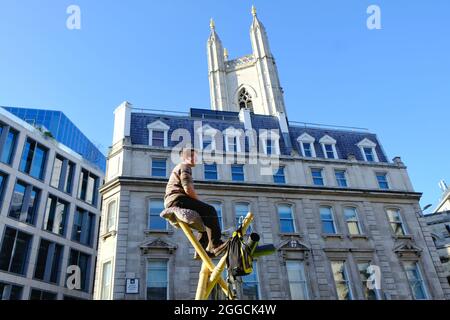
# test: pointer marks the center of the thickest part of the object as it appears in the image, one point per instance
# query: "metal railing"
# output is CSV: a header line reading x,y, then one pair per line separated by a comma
x,y
234,118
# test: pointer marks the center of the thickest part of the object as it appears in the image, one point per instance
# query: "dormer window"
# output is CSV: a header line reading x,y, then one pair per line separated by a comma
x,y
270,142
158,134
329,153
158,138
232,140
368,150
245,100
207,142
329,147
207,136
306,143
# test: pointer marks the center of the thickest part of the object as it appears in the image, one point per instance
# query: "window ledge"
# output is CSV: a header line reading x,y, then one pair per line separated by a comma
x,y
150,231
358,236
112,233
333,235
290,234
404,237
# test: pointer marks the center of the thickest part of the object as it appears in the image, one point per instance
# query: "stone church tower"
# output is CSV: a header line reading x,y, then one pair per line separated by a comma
x,y
247,82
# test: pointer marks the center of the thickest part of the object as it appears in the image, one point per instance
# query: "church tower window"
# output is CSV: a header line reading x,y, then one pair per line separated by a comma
x,y
245,100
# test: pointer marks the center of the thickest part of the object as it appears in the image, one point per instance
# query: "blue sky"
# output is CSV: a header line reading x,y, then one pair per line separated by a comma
x,y
394,81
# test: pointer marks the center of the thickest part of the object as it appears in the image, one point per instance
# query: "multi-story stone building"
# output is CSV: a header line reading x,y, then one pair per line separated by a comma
x,y
439,223
50,212
333,204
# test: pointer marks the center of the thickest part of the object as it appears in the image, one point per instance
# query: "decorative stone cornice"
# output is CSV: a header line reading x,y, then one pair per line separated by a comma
x,y
266,188
157,244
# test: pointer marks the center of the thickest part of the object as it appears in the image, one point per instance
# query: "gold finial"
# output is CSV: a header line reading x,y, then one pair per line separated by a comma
x,y
254,11
212,25
225,53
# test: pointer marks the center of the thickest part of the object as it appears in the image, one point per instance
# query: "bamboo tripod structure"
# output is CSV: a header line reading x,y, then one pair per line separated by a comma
x,y
211,274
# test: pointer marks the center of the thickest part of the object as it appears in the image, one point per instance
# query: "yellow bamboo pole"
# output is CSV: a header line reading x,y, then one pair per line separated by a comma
x,y
202,283
209,273
202,253
216,274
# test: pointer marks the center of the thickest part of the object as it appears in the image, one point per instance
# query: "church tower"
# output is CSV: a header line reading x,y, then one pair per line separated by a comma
x,y
249,82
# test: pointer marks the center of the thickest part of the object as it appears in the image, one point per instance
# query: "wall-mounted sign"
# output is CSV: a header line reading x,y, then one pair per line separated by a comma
x,y
132,286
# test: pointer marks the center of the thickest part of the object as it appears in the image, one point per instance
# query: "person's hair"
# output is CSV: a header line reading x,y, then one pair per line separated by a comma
x,y
187,152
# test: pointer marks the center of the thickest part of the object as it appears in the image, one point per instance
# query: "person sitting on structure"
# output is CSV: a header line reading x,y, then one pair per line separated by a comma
x,y
180,193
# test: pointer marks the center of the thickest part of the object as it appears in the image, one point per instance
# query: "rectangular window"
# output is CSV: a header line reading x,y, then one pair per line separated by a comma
x,y
269,147
3,182
232,143
14,251
286,218
341,280
83,261
88,187
10,291
8,139
329,152
106,281
396,222
48,263
317,177
157,280
155,222
207,142
341,178
327,218
250,285
111,219
351,218
307,149
24,203
34,159
369,294
297,280
158,138
382,181
159,168
62,175
368,152
37,294
56,215
210,171
279,177
237,172
83,227
415,280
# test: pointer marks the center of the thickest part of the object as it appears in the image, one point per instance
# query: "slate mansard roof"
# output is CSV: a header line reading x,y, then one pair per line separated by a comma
x,y
346,140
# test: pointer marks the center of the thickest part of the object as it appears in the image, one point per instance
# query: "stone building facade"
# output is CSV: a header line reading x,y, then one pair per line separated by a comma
x,y
337,210
50,212
439,223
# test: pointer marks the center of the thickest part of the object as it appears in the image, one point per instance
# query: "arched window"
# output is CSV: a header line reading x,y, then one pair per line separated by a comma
x,y
218,206
245,100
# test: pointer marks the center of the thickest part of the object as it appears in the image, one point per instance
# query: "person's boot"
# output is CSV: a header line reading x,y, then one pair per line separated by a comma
x,y
219,248
202,237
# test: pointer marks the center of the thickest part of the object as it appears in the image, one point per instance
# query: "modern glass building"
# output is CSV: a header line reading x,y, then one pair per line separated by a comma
x,y
63,130
49,215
